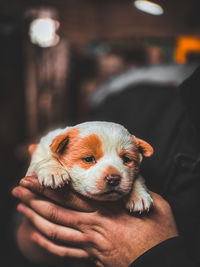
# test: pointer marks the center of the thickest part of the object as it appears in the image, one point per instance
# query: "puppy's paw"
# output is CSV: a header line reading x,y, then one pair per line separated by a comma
x,y
139,203
53,177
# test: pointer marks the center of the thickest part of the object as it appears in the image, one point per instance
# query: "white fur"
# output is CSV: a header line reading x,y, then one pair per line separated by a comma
x,y
114,138
140,199
85,185
45,165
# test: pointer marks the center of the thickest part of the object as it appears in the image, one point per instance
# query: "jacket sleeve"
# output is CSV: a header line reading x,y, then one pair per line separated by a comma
x,y
170,253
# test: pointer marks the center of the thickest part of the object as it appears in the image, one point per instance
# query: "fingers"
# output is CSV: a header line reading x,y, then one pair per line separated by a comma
x,y
160,203
25,194
51,211
32,183
52,231
64,196
59,250
163,213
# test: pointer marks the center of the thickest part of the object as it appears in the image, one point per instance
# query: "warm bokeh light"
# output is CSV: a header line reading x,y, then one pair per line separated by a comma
x,y
149,7
43,32
186,45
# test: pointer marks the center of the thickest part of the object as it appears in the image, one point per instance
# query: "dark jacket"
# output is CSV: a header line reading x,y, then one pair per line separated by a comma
x,y
163,114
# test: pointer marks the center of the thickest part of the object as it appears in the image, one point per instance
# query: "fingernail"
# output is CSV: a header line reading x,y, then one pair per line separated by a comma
x,y
21,208
25,182
34,237
16,193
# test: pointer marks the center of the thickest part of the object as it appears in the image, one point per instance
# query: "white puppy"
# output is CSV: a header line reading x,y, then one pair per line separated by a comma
x,y
99,159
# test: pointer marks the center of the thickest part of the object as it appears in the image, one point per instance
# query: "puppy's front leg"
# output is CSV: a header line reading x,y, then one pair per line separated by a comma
x,y
50,172
139,199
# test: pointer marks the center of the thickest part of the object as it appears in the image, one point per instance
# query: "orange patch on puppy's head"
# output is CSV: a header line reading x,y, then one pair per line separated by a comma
x,y
91,145
71,149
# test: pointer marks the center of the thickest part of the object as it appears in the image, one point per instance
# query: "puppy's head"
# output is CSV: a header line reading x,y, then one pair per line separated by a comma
x,y
102,158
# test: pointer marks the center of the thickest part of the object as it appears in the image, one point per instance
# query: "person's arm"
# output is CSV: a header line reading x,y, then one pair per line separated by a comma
x,y
169,253
105,234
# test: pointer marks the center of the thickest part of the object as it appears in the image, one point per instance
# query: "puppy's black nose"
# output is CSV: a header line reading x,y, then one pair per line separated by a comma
x,y
113,179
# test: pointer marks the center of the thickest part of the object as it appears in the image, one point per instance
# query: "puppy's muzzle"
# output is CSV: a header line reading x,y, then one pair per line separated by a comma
x,y
113,179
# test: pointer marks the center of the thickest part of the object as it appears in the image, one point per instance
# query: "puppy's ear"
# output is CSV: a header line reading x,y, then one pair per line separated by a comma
x,y
144,148
59,143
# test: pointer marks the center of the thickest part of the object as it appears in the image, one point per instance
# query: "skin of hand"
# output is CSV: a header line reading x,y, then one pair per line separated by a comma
x,y
66,225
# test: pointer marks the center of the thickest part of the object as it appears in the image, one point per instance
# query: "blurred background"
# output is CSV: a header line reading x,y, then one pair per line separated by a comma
x,y
54,54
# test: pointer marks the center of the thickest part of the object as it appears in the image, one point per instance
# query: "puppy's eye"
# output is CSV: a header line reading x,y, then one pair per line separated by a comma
x,y
126,159
90,159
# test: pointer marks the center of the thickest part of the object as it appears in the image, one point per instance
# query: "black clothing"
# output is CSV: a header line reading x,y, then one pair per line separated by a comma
x,y
158,114
169,253
190,91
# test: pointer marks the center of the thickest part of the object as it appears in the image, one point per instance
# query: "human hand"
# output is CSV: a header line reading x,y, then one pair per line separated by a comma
x,y
64,196
26,229
105,234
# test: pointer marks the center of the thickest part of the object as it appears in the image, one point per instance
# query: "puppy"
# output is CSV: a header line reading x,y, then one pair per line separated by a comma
x,y
100,160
